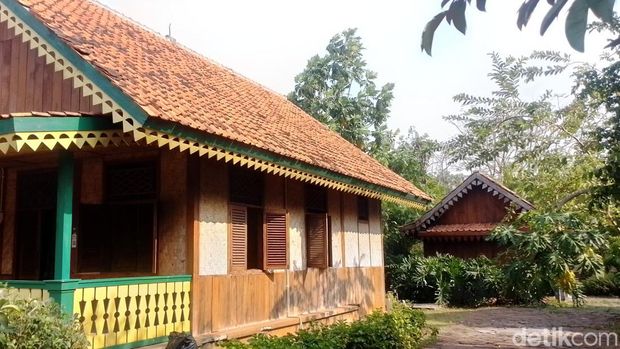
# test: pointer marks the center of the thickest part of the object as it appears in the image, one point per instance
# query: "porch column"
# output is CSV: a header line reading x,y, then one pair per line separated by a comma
x,y
62,287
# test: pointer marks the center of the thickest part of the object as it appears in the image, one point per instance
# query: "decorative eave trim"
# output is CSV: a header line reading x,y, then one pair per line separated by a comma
x,y
138,126
476,179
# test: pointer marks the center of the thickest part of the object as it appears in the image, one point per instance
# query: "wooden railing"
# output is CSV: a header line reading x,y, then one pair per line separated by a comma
x,y
31,289
125,312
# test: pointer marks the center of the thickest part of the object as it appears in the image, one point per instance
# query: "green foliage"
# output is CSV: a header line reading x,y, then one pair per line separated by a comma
x,y
338,90
604,286
575,26
29,323
447,280
549,251
401,328
602,89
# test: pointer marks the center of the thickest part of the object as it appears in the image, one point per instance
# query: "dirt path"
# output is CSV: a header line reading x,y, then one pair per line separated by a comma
x,y
502,327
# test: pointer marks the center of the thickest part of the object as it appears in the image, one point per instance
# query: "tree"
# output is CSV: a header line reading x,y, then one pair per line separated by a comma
x,y
341,92
544,151
576,20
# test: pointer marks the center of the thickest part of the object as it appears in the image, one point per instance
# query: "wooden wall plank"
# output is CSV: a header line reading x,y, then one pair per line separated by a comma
x,y
28,83
229,301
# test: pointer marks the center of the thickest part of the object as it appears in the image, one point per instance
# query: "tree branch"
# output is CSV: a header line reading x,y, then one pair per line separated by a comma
x,y
572,196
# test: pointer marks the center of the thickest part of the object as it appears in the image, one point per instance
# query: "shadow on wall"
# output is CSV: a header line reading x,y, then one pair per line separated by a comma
x,y
313,290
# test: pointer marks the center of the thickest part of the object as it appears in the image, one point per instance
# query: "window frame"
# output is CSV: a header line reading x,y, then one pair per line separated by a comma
x,y
155,162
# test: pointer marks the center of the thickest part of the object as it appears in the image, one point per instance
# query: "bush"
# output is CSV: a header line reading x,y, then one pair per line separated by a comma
x,y
447,280
606,285
402,328
29,323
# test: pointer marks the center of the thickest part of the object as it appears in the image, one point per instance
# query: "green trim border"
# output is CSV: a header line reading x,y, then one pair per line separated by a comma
x,y
139,280
81,283
89,71
56,124
175,129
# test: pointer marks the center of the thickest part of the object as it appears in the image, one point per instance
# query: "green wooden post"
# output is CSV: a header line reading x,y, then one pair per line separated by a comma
x,y
62,287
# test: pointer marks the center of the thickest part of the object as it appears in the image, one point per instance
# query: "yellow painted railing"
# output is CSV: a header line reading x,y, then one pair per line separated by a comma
x,y
117,312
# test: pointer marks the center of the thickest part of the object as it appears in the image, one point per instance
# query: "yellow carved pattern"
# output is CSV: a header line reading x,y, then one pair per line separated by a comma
x,y
112,315
34,141
34,293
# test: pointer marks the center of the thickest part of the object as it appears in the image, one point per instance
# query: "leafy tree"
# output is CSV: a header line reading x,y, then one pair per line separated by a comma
x,y
576,20
341,92
545,152
338,90
555,249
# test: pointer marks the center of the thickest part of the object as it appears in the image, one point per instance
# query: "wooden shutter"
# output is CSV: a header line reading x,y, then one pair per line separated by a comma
x,y
275,241
238,237
316,240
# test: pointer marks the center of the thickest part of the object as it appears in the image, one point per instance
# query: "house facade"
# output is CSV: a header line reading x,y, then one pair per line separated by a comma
x,y
461,222
148,189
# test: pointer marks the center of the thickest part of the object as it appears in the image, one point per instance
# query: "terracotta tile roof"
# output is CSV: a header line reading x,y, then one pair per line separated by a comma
x,y
178,85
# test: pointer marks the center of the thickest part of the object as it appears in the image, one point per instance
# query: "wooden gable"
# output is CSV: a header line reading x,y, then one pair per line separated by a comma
x,y
478,200
28,83
477,206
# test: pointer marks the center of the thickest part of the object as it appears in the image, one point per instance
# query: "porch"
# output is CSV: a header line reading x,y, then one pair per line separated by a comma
x,y
103,233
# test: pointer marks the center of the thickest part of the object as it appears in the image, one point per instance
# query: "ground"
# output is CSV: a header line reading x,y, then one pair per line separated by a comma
x,y
497,327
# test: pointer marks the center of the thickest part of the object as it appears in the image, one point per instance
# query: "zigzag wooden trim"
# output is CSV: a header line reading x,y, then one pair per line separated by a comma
x,y
163,140
119,115
37,141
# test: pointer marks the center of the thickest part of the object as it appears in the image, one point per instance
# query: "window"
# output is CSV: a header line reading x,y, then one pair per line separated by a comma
x,y
317,240
118,236
362,208
258,238
276,251
315,198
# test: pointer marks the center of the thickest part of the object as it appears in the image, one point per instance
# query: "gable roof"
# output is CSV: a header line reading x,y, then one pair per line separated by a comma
x,y
175,89
476,179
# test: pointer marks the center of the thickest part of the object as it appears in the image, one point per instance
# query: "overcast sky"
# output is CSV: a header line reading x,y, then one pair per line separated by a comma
x,y
270,42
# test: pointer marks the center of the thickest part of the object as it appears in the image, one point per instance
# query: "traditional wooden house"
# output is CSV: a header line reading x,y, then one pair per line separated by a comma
x,y
459,224
148,189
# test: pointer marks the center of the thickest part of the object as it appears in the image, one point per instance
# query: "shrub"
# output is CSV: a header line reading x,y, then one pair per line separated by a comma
x,y
549,251
29,323
606,285
447,280
402,328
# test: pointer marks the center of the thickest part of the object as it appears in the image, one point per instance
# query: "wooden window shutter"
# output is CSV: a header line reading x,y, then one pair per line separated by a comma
x,y
275,241
238,237
316,240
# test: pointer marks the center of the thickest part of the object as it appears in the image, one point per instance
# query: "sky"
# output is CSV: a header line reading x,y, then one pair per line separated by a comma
x,y
270,41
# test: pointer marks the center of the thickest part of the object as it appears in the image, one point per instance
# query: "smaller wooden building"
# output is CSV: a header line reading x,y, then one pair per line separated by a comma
x,y
460,223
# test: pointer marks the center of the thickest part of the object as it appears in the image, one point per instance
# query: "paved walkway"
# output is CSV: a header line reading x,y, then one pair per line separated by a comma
x,y
502,327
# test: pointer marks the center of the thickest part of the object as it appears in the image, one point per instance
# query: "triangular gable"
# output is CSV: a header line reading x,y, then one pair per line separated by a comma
x,y
83,75
474,181
28,82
